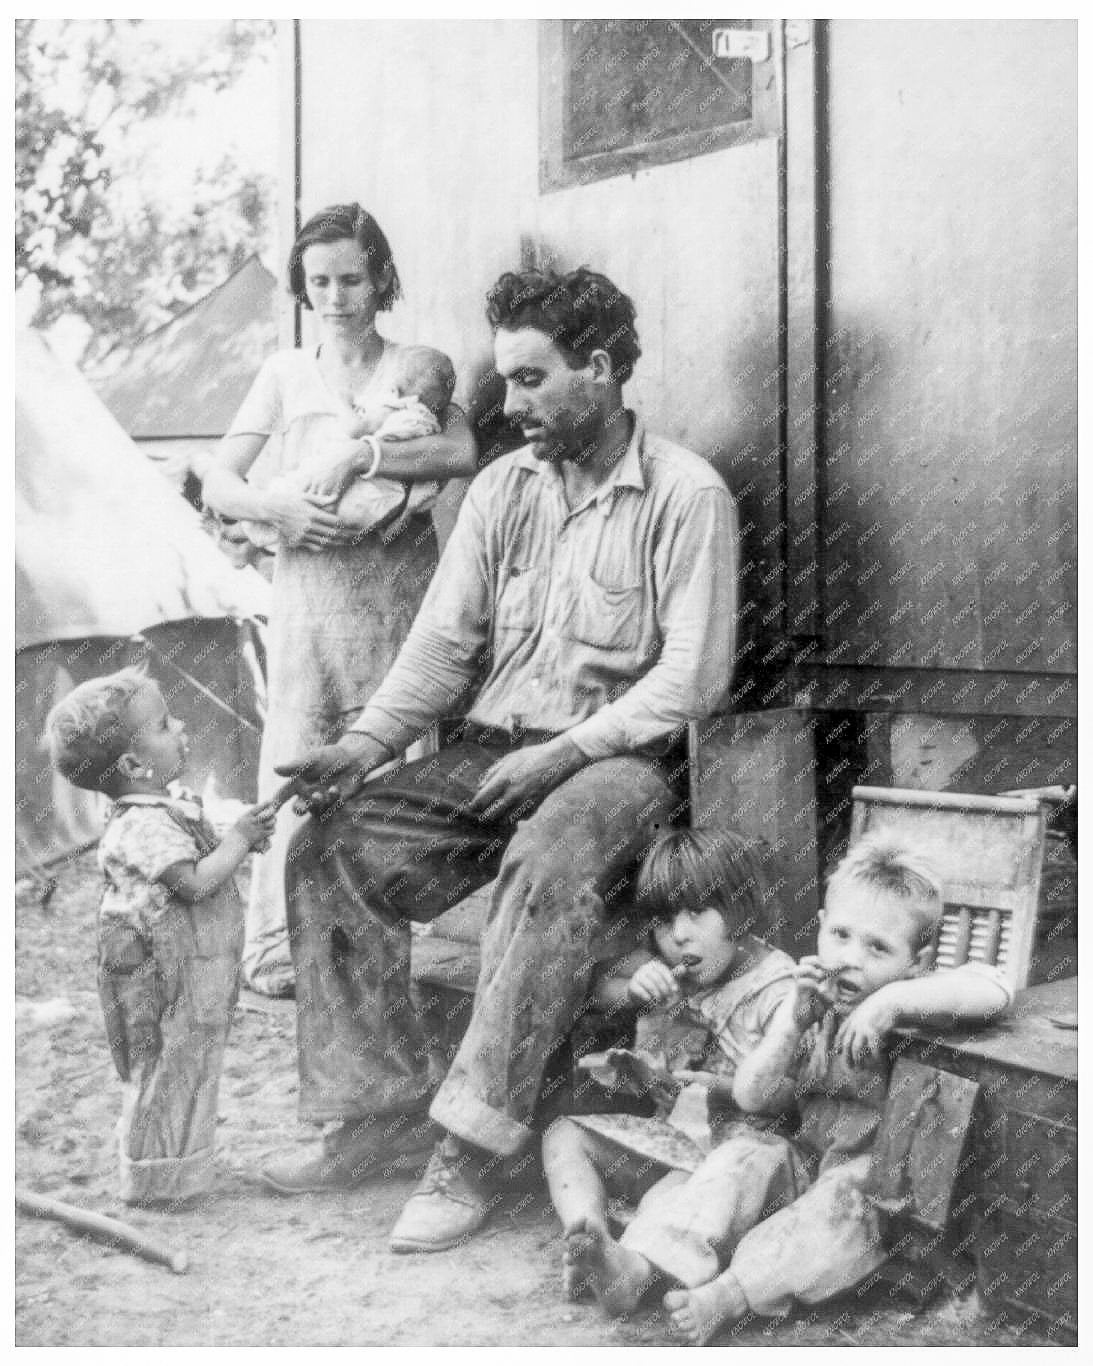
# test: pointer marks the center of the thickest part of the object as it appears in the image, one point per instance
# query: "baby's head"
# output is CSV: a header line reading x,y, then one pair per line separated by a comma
x,y
426,373
879,920
703,891
114,735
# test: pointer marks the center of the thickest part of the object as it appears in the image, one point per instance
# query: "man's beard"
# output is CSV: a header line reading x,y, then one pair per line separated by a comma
x,y
579,449
553,454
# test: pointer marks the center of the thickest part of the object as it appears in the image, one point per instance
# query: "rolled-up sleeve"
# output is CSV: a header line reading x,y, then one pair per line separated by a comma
x,y
445,650
695,569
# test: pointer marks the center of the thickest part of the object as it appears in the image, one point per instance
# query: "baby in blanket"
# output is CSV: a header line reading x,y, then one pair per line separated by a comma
x,y
421,389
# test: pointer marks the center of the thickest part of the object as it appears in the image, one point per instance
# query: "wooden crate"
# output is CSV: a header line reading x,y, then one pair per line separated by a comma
x,y
988,853
1015,1207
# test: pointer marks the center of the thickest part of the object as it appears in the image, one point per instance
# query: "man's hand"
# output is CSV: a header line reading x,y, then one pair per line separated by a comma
x,y
516,784
863,1032
330,775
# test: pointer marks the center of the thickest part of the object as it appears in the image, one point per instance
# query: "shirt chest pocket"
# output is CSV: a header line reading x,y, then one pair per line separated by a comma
x,y
521,601
607,616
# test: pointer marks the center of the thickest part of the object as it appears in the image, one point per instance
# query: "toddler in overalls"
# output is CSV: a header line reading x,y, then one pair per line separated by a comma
x,y
170,928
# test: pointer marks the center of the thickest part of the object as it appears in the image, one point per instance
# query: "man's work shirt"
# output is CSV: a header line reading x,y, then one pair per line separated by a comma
x,y
613,621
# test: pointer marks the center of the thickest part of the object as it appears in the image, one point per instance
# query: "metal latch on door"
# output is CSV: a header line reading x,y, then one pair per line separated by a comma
x,y
747,44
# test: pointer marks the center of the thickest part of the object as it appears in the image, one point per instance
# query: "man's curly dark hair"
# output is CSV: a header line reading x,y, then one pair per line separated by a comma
x,y
580,311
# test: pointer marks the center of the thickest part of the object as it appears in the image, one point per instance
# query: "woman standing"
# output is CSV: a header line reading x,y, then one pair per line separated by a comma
x,y
343,601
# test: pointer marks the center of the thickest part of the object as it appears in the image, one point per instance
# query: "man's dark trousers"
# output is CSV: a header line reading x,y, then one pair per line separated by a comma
x,y
406,848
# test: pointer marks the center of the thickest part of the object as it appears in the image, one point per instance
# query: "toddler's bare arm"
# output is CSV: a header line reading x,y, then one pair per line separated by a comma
x,y
942,999
765,1081
946,997
193,882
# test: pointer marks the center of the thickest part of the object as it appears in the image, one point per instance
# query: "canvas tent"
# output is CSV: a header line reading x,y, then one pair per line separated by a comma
x,y
112,566
176,391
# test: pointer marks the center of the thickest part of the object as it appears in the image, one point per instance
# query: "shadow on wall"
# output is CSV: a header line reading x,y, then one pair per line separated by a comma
x,y
494,434
866,573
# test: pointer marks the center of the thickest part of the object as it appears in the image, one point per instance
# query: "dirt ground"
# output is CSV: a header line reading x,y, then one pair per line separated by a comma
x,y
313,1271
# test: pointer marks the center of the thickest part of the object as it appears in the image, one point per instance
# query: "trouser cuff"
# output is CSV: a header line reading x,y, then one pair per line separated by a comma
x,y
166,1178
405,1126
465,1116
372,1101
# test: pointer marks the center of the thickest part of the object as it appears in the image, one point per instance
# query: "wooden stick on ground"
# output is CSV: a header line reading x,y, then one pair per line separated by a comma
x,y
112,1231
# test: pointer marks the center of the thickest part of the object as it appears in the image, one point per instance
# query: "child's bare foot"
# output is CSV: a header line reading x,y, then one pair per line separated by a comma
x,y
576,1274
576,1287
696,1315
594,1261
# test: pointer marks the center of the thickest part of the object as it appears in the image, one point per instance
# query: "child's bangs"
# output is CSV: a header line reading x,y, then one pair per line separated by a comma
x,y
693,870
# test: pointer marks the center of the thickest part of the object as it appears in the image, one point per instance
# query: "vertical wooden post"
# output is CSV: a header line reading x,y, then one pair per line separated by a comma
x,y
804,268
290,170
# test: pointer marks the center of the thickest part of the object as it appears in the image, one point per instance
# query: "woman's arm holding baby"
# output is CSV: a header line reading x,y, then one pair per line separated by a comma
x,y
447,454
224,485
301,518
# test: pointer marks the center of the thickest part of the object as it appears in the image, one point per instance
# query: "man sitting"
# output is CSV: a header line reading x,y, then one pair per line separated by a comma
x,y
585,603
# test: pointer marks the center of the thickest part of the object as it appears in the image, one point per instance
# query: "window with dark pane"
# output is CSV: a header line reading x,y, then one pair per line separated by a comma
x,y
632,82
617,95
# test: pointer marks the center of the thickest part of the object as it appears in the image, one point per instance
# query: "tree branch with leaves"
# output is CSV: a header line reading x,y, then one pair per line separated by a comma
x,y
90,240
